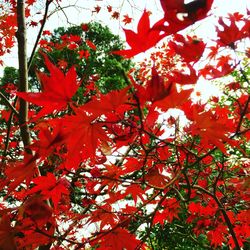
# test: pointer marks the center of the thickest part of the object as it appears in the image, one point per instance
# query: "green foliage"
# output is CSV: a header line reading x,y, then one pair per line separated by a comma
x,y
8,81
10,75
176,235
99,66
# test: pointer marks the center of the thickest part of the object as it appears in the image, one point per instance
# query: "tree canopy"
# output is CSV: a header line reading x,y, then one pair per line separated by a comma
x,y
88,48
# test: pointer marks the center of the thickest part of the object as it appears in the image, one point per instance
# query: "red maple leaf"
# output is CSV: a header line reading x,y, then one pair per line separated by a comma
x,y
196,9
203,211
171,209
57,89
33,23
212,129
182,78
49,187
84,53
127,19
156,178
48,138
30,2
190,49
212,72
156,88
136,192
172,5
72,46
144,39
7,234
115,15
46,33
110,102
111,176
213,52
89,136
62,64
174,98
119,239
84,27
96,9
229,34
21,171
90,44
191,12
217,235
105,215
109,8
36,209
35,214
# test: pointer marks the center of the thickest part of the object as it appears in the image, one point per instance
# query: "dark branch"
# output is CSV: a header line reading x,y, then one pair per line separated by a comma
x,y
39,33
6,101
23,71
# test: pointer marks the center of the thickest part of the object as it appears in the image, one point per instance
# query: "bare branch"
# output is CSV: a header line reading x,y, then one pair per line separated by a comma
x,y
39,33
6,101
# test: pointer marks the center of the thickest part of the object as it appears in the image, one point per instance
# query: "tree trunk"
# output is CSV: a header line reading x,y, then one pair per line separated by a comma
x,y
23,72
23,81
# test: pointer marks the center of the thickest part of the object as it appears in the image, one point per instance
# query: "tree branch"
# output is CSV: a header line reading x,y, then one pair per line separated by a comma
x,y
39,33
7,140
6,101
224,213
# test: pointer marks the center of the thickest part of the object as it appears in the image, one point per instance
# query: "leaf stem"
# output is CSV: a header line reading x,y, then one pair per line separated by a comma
x,y
6,101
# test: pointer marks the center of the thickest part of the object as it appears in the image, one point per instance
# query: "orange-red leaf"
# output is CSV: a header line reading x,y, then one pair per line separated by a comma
x,y
127,19
84,143
156,88
119,239
21,171
228,34
190,49
49,187
190,13
144,39
110,102
174,99
7,234
57,89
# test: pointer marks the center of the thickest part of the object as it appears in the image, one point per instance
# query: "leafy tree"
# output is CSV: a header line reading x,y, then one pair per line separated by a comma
x,y
10,75
88,47
90,175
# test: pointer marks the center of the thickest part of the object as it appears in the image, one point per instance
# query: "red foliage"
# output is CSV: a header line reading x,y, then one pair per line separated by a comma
x,y
58,89
179,15
127,19
229,34
145,154
118,239
143,40
189,49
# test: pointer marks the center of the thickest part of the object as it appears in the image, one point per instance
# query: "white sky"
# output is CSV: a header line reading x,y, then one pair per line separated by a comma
x,y
80,11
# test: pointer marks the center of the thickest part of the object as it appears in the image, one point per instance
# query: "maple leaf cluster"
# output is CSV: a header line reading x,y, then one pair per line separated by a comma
x,y
7,32
95,171
113,12
8,24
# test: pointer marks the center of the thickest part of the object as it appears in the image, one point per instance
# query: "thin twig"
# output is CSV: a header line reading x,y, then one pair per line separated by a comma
x,y
39,33
224,213
7,140
6,101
